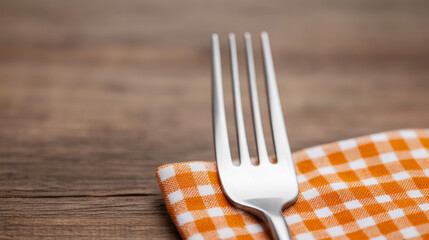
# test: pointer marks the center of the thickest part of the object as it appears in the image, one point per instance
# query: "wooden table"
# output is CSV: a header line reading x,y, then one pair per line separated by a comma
x,y
94,95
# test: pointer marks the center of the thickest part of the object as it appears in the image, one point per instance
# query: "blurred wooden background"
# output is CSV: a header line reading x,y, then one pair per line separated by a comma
x,y
94,95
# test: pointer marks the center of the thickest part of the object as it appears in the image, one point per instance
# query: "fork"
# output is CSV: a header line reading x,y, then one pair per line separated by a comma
x,y
269,187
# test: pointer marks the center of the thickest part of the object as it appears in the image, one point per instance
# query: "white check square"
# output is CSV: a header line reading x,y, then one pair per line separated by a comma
x,y
409,232
353,204
215,212
339,185
205,190
397,213
301,178
406,134
420,153
379,137
225,233
366,222
166,173
379,238
254,228
198,167
304,236
326,170
293,219
315,152
176,196
347,144
415,194
388,157
323,212
358,164
370,181
401,176
424,206
184,218
196,237
310,194
383,199
335,231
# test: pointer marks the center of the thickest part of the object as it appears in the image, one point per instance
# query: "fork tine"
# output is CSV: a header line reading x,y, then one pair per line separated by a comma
x,y
243,149
281,143
220,131
257,123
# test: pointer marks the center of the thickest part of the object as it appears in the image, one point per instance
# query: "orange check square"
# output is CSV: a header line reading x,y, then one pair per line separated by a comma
x,y
213,177
368,150
399,145
337,158
374,209
303,206
205,225
332,199
421,182
235,220
186,180
221,200
348,176
361,192
245,237
404,203
306,166
425,142
319,181
195,203
378,170
357,235
344,217
410,164
391,188
314,224
418,218
387,227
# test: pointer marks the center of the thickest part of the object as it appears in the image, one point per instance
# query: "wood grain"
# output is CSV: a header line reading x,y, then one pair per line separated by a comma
x,y
94,95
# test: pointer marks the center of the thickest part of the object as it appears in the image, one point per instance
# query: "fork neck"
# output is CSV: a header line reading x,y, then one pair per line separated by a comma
x,y
277,225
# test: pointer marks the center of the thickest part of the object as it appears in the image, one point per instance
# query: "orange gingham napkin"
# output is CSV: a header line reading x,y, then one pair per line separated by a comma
x,y
372,187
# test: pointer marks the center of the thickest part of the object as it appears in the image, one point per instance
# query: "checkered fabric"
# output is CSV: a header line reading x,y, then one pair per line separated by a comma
x,y
372,187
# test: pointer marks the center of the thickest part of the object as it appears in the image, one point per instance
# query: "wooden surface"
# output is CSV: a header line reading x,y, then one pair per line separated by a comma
x,y
94,95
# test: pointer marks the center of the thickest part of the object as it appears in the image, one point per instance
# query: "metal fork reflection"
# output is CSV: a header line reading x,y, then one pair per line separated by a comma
x,y
267,188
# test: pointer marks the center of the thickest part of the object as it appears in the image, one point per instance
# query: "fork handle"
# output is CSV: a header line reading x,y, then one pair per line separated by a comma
x,y
278,227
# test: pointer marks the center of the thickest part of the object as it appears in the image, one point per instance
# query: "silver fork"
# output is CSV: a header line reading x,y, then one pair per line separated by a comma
x,y
267,188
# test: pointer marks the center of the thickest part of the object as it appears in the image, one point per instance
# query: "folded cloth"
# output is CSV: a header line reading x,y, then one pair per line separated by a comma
x,y
374,187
